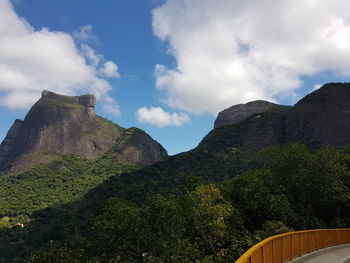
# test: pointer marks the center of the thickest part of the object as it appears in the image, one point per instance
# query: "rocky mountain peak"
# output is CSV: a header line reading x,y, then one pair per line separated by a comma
x,y
240,112
87,100
321,117
58,124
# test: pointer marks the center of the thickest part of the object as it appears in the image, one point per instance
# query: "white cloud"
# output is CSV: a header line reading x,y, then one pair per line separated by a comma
x,y
90,54
110,70
110,106
111,109
233,51
33,60
160,118
85,33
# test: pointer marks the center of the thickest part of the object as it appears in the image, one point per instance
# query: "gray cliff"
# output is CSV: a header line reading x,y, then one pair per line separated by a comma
x,y
240,112
58,124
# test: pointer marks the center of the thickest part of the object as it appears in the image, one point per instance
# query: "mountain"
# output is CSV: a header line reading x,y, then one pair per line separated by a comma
x,y
58,124
240,112
320,118
245,181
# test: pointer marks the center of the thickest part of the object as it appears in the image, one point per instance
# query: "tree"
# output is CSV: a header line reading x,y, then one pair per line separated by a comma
x,y
120,232
210,214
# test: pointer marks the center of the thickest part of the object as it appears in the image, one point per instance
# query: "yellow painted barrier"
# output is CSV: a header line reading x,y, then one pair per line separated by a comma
x,y
284,247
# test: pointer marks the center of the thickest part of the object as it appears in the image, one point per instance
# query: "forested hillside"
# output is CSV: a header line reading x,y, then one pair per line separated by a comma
x,y
148,217
64,180
241,184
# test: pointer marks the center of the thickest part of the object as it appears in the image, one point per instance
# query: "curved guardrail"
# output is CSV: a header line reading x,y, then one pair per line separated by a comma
x,y
284,247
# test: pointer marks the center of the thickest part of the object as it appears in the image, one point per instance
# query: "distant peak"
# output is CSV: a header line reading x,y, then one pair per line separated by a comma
x,y
240,112
49,94
87,100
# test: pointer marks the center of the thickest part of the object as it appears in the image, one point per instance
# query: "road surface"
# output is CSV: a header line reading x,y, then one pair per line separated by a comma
x,y
338,254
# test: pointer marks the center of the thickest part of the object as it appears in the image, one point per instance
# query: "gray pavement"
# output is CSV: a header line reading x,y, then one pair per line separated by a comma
x,y
338,254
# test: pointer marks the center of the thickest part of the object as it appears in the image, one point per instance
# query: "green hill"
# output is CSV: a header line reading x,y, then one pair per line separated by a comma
x,y
188,217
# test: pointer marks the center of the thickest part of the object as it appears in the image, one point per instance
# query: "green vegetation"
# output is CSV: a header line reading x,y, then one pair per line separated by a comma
x,y
204,206
60,108
64,180
195,207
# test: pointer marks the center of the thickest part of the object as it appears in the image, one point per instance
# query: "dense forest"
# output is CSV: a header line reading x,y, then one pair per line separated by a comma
x,y
62,181
187,215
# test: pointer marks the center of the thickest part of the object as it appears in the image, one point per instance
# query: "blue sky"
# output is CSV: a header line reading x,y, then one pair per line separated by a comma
x,y
124,34
177,66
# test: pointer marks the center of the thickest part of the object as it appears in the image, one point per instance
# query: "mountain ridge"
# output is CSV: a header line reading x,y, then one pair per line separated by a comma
x,y
233,185
239,112
320,118
67,125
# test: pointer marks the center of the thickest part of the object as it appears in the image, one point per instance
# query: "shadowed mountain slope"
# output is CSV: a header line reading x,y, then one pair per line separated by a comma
x,y
320,118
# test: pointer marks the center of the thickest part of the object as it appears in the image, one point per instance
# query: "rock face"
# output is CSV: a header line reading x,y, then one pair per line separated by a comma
x,y
240,112
322,117
59,124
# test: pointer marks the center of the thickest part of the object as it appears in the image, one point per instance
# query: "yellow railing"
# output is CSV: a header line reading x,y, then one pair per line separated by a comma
x,y
284,247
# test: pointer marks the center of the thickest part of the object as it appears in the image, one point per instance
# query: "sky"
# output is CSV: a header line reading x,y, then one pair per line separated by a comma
x,y
169,66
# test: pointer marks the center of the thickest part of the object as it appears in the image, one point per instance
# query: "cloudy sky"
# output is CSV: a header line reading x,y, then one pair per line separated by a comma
x,y
169,66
